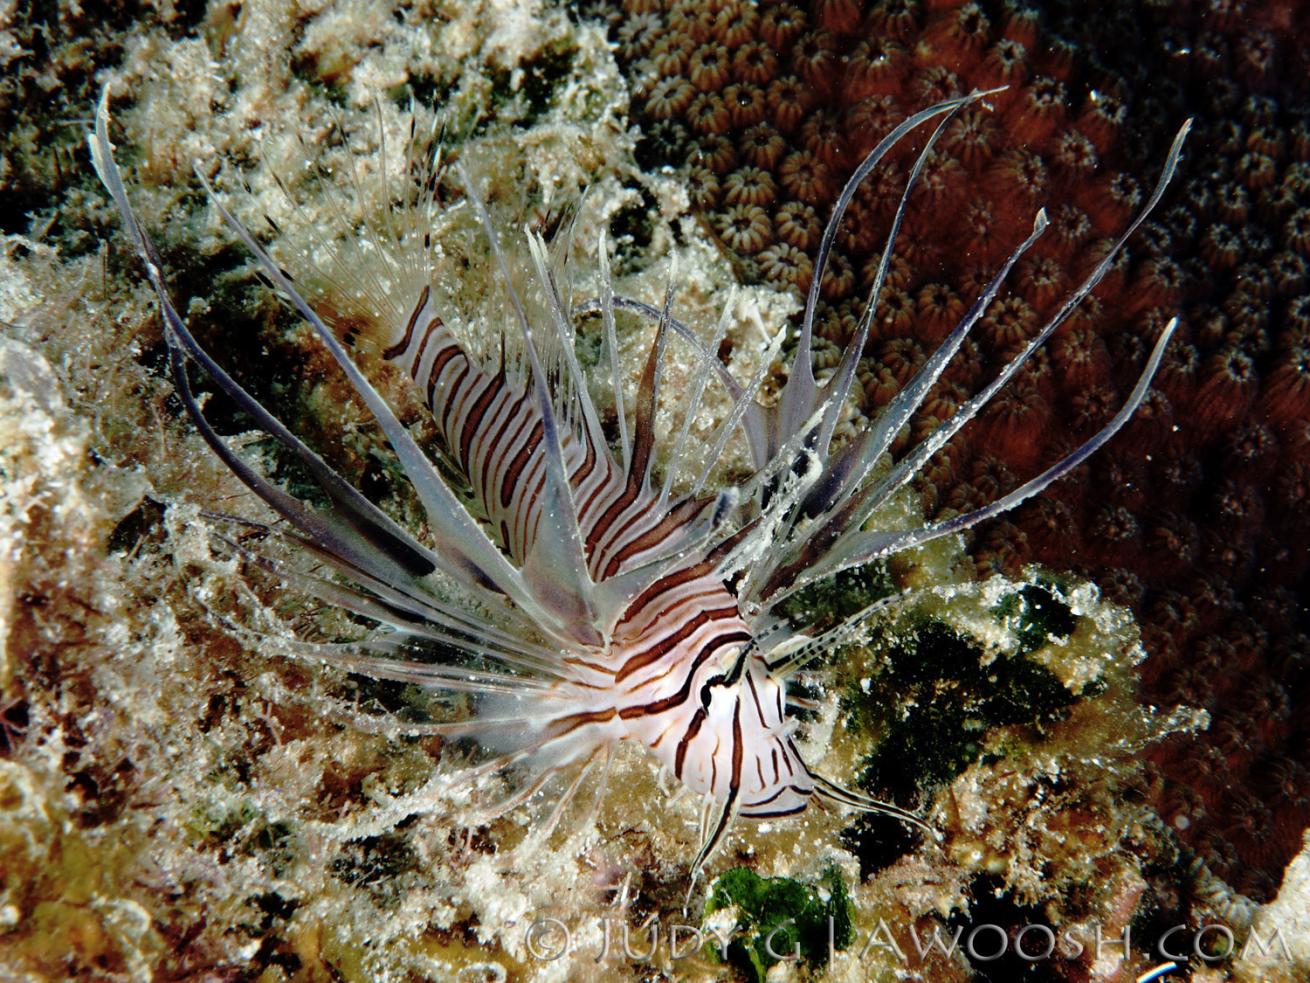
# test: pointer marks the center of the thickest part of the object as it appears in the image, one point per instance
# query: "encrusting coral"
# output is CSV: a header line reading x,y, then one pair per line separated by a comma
x,y
178,801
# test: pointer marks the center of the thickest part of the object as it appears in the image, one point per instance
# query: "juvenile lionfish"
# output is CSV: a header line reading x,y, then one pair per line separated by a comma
x,y
610,608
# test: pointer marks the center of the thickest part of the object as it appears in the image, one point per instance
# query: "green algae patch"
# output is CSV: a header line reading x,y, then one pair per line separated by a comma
x,y
1036,614
778,918
935,703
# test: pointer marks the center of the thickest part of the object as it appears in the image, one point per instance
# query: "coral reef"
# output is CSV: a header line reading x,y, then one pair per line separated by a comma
x,y
180,799
176,801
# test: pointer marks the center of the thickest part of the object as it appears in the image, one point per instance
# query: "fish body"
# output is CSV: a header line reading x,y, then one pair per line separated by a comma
x,y
663,677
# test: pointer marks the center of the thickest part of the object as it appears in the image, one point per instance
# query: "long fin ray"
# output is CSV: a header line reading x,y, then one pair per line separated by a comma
x,y
836,793
456,531
868,546
718,819
835,534
648,396
798,397
577,388
837,390
793,661
606,307
377,601
556,567
699,383
738,412
362,657
840,491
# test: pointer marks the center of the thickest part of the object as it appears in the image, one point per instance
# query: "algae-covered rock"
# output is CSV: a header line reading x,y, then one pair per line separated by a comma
x,y
776,919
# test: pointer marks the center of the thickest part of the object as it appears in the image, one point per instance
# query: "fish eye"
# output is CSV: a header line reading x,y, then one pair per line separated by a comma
x,y
706,695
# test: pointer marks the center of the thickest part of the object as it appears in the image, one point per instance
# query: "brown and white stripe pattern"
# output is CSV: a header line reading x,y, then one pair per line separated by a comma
x,y
493,431
667,672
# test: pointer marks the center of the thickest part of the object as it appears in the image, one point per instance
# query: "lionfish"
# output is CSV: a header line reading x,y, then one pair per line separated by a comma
x,y
569,590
